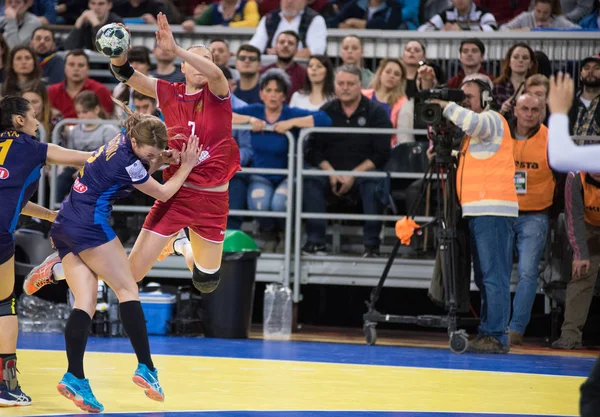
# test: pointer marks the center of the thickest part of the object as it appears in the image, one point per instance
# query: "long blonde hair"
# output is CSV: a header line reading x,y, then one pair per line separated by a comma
x,y
145,128
397,92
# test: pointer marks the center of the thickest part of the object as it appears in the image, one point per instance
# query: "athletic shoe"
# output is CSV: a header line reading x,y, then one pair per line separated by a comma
x,y
169,248
41,275
148,380
487,344
567,343
14,398
79,391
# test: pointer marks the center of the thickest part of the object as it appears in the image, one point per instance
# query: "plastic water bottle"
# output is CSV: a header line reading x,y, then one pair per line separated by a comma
x,y
277,313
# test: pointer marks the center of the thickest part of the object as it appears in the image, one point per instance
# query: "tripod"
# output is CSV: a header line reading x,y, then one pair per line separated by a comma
x,y
444,170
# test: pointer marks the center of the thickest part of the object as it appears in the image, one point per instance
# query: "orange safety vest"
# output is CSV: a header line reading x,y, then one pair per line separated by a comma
x,y
486,187
591,202
531,157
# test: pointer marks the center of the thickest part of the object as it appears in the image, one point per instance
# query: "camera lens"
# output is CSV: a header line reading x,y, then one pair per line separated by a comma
x,y
431,114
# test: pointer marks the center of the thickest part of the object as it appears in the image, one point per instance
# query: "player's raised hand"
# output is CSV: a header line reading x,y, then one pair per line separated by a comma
x,y
164,35
560,96
190,153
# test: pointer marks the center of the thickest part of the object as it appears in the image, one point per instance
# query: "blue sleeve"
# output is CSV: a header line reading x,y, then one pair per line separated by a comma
x,y
131,171
321,118
410,13
244,142
42,151
45,8
236,103
39,149
254,110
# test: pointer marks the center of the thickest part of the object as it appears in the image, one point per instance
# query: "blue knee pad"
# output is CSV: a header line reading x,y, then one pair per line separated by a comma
x,y
8,307
205,283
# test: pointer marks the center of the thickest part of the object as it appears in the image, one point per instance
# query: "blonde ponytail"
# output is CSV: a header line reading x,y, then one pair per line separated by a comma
x,y
146,129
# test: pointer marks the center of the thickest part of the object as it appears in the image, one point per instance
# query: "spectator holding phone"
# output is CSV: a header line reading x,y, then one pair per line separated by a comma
x,y
520,62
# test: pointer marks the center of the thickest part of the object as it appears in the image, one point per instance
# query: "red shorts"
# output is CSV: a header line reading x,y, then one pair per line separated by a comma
x,y
204,212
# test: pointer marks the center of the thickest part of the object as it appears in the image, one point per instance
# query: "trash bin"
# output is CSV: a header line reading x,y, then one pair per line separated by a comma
x,y
227,311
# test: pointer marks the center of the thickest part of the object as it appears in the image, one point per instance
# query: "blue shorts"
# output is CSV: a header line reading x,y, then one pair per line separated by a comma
x,y
7,247
75,238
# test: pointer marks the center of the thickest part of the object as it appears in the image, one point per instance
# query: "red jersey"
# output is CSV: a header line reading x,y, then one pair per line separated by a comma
x,y
208,117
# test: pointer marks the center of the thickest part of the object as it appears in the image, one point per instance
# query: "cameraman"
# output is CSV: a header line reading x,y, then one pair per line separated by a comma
x,y
487,194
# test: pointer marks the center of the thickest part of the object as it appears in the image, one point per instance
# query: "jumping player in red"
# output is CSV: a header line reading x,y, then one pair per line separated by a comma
x,y
199,107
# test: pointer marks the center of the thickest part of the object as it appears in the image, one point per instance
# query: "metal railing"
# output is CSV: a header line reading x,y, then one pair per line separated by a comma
x,y
301,172
289,172
559,46
42,182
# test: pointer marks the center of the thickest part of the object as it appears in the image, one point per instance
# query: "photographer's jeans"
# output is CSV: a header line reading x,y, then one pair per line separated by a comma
x,y
492,242
531,231
316,191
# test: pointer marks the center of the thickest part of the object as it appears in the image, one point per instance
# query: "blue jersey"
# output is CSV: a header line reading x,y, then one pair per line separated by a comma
x,y
21,160
109,174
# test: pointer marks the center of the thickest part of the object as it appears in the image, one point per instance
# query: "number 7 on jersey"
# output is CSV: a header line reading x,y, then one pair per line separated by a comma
x,y
193,125
4,147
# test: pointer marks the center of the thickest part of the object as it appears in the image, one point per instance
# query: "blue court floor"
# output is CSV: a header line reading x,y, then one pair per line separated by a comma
x,y
256,378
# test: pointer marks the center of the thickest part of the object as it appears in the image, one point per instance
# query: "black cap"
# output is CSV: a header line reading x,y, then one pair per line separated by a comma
x,y
595,58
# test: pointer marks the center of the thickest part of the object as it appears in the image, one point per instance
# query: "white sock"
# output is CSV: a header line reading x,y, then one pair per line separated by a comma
x,y
205,270
179,244
59,273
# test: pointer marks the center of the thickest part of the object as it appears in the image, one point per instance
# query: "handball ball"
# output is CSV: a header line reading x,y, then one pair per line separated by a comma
x,y
112,40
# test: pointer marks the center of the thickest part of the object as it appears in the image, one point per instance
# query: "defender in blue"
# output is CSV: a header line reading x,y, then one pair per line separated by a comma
x,y
21,159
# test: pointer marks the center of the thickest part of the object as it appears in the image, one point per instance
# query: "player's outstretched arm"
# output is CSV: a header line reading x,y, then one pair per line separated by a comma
x,y
217,83
563,154
189,157
63,156
124,72
39,212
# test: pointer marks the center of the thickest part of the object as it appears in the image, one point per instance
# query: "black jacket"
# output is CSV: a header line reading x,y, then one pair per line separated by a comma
x,y
348,150
85,37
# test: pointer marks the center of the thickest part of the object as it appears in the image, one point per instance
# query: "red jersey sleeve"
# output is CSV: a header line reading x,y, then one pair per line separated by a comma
x,y
214,99
165,93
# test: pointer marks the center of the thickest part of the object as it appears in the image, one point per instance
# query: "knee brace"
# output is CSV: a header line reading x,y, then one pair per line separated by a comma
x,y
205,283
7,306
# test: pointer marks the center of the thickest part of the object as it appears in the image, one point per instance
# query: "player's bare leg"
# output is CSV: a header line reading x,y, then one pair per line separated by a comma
x,y
146,249
206,258
84,286
10,391
202,257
